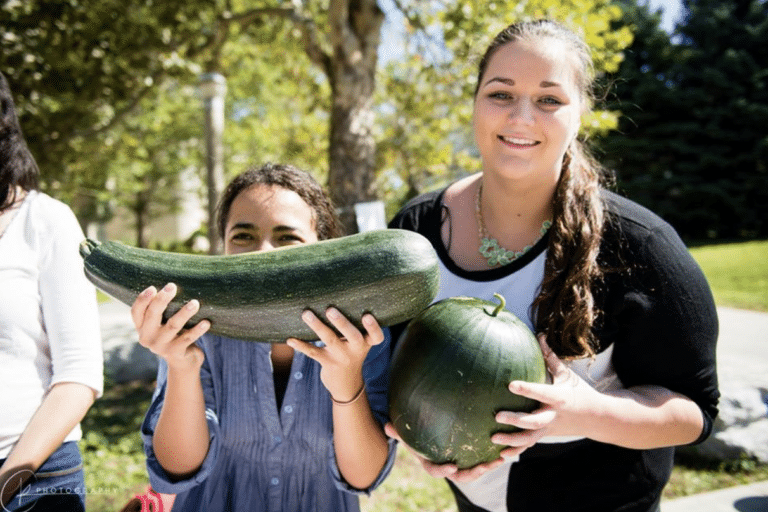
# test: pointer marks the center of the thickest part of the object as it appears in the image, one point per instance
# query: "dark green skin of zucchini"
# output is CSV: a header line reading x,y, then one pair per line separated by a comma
x,y
391,273
449,376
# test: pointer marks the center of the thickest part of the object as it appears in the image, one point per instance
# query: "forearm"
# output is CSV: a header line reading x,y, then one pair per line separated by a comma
x,y
181,435
359,442
62,409
644,417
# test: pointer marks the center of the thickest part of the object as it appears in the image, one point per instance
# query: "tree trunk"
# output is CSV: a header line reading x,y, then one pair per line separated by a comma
x,y
141,211
355,32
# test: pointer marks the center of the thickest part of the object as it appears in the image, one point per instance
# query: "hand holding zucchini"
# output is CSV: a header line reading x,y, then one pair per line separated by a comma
x,y
390,273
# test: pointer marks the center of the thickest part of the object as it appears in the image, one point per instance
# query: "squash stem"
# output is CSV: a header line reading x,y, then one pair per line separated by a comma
x,y
87,246
501,305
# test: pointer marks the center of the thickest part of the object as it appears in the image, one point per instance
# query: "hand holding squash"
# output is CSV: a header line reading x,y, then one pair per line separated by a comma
x,y
566,406
168,340
449,471
343,356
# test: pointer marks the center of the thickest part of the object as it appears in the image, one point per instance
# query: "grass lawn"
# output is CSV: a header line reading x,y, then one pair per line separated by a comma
x,y
111,446
737,273
114,460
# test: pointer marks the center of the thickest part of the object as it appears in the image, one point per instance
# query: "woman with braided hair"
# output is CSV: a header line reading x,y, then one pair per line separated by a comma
x,y
625,317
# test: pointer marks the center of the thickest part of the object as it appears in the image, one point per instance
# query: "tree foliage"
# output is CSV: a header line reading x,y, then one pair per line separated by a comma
x,y
106,90
79,67
692,143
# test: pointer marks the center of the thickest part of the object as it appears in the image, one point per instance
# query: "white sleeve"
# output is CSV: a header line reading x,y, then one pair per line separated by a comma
x,y
69,309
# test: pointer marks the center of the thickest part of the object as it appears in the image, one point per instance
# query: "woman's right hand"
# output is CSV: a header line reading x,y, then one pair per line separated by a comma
x,y
169,340
449,471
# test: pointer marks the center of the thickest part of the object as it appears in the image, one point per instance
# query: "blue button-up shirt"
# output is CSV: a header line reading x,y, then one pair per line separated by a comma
x,y
262,459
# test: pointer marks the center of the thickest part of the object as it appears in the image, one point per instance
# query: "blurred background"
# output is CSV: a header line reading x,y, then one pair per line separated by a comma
x,y
138,112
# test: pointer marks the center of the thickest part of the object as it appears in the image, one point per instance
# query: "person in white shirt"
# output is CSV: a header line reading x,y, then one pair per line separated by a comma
x,y
50,342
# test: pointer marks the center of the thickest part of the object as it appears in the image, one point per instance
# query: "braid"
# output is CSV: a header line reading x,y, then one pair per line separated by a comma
x,y
565,307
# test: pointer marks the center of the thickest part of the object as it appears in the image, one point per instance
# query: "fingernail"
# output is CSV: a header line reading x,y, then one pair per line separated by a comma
x,y
308,316
368,319
332,313
169,287
193,304
149,291
506,416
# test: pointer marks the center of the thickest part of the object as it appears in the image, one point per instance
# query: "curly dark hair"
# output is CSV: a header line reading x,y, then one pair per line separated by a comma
x,y
17,165
565,309
288,177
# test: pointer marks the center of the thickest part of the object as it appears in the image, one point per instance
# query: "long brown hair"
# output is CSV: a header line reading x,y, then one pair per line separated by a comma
x,y
17,165
565,309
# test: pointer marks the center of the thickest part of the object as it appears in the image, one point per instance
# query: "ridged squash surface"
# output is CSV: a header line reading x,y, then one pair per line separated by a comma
x,y
390,273
450,373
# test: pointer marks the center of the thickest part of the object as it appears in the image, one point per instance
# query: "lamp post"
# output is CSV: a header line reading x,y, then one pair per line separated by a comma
x,y
213,87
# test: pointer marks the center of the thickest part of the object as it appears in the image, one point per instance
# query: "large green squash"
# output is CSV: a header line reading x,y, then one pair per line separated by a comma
x,y
259,296
450,373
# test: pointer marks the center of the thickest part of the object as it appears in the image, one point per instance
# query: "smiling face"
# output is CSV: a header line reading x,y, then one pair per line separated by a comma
x,y
267,217
527,110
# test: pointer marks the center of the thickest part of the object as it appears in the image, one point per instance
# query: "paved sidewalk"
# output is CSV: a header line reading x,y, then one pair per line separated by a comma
x,y
742,347
743,498
742,358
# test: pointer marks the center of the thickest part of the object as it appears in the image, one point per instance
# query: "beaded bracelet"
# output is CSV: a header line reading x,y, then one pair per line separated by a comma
x,y
349,402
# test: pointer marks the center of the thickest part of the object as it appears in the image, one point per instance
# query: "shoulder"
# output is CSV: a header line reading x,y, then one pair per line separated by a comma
x,y
418,210
422,214
631,216
634,227
642,253
425,201
51,214
51,228
43,203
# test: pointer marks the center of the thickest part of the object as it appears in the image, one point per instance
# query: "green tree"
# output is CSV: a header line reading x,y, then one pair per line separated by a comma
x,y
92,76
151,157
692,144
78,68
82,67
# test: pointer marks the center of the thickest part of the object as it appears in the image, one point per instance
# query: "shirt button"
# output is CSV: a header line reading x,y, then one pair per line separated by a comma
x,y
298,375
278,439
288,409
274,481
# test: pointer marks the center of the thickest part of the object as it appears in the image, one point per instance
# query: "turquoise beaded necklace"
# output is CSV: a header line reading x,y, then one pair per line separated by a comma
x,y
490,248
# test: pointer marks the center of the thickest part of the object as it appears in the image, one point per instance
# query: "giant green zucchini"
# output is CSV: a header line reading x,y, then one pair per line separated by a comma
x,y
449,376
391,273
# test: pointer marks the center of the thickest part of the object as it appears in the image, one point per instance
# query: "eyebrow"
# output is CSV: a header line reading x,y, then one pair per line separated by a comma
x,y
242,225
510,82
249,225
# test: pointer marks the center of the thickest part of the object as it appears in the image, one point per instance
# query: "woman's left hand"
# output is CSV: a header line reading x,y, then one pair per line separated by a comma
x,y
342,356
563,403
